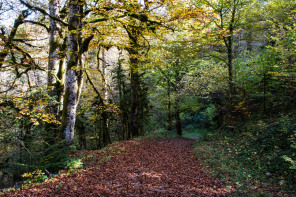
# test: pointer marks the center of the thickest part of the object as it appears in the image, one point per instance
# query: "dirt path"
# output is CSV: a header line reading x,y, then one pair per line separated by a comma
x,y
143,168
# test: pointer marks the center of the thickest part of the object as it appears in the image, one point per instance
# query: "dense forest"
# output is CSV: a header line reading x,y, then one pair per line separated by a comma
x,y
83,75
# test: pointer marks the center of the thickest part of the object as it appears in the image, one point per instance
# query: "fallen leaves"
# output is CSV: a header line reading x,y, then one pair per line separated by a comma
x,y
145,168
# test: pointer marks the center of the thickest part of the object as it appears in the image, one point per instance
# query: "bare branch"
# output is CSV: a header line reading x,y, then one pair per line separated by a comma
x,y
34,8
37,23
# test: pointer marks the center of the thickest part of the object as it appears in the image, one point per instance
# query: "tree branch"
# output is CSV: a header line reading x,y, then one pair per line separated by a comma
x,y
37,23
34,8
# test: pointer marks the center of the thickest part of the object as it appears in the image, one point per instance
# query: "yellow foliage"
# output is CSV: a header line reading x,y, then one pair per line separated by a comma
x,y
35,109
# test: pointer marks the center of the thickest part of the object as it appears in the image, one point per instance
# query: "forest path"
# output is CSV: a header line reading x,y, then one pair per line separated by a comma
x,y
136,168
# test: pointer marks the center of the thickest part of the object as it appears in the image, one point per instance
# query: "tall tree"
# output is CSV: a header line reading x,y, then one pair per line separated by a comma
x,y
133,50
227,19
138,24
73,78
55,68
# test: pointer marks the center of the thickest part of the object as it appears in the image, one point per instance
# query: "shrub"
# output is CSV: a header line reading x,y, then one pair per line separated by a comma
x,y
263,154
161,134
35,176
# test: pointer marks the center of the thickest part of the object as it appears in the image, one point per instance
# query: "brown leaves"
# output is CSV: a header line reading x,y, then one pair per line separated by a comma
x,y
144,168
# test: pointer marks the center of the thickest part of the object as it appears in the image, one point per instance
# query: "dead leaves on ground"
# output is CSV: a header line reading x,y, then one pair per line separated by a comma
x,y
135,168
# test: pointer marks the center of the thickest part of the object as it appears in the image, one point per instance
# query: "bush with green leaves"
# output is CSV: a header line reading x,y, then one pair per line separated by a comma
x,y
31,166
292,157
34,176
161,134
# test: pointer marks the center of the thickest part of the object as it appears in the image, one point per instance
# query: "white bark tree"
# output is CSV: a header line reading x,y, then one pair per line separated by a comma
x,y
54,56
73,75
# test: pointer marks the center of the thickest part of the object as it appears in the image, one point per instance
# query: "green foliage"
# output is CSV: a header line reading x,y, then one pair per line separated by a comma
x,y
56,157
223,165
161,134
190,104
105,160
209,114
292,156
201,120
29,165
74,163
256,158
194,133
290,160
207,76
34,177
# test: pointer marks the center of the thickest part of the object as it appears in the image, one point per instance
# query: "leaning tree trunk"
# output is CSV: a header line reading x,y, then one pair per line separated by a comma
x,y
72,76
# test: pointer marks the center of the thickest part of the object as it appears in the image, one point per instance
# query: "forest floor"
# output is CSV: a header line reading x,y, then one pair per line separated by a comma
x,y
134,168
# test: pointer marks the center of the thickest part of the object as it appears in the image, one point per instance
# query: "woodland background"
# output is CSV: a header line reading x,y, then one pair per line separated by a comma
x,y
82,74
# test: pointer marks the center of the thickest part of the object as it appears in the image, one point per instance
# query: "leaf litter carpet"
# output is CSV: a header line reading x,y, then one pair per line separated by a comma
x,y
135,168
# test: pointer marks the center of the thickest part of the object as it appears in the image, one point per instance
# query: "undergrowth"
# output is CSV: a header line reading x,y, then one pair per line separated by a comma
x,y
70,161
198,134
257,160
159,134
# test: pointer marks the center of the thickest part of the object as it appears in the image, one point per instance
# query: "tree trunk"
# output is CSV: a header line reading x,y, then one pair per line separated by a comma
x,y
178,78
133,50
54,56
122,108
177,117
122,101
169,105
230,73
228,40
106,136
53,69
72,80
105,115
134,98
61,76
264,93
